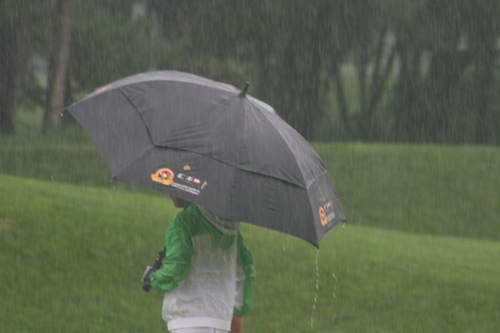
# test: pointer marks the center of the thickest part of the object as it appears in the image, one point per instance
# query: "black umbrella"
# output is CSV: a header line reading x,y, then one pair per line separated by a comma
x,y
211,144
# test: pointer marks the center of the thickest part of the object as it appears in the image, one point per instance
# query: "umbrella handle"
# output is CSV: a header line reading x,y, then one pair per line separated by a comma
x,y
161,256
157,265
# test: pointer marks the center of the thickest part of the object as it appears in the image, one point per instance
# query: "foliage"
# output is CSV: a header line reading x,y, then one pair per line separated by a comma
x,y
418,79
447,71
357,70
107,47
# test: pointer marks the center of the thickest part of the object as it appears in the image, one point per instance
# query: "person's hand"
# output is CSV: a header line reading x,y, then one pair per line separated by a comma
x,y
148,274
237,325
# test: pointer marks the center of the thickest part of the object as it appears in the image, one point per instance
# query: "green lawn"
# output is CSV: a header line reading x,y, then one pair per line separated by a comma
x,y
419,254
72,257
440,190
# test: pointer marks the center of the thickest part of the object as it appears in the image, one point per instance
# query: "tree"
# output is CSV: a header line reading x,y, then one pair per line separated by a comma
x,y
298,73
448,56
360,36
14,27
108,45
58,65
483,31
426,70
279,36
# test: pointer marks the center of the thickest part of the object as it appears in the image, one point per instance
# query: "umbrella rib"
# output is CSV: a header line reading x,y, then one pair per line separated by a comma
x,y
306,185
115,176
140,114
238,167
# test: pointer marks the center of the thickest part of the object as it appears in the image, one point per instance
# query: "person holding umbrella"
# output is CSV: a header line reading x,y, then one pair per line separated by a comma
x,y
207,274
245,164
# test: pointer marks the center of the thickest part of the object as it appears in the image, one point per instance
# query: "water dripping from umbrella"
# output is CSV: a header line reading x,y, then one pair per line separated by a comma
x,y
315,300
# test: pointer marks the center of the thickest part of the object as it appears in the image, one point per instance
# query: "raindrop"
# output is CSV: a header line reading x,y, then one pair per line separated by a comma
x,y
317,289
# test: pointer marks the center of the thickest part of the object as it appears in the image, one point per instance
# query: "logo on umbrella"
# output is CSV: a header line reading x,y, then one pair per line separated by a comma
x,y
163,176
326,213
189,184
322,216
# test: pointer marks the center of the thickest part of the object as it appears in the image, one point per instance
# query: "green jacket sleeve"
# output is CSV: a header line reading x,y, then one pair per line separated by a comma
x,y
177,264
245,260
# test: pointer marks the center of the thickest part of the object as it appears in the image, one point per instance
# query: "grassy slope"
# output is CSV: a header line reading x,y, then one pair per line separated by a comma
x,y
72,256
440,190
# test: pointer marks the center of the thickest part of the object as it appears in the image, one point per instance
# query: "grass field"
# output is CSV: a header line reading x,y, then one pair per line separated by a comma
x,y
419,254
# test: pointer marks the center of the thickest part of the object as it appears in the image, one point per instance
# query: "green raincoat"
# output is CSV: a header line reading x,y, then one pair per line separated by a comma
x,y
207,274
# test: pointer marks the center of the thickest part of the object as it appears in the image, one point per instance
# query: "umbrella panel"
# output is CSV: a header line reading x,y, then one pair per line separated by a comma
x,y
235,194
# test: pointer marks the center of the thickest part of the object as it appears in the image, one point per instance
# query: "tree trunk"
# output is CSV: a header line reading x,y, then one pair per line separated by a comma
x,y
484,79
302,69
58,65
374,93
407,112
13,38
486,37
341,97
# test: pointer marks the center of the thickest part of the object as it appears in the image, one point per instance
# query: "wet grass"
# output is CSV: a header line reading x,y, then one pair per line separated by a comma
x,y
72,257
419,253
424,189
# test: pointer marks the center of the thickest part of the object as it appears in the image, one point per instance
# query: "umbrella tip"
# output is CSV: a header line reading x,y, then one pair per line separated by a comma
x,y
243,92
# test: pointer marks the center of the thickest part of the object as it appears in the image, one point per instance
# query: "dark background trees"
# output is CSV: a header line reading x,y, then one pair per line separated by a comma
x,y
405,71
15,24
58,64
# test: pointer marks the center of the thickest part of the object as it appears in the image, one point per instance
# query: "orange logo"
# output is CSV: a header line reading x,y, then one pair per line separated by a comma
x,y
163,176
322,216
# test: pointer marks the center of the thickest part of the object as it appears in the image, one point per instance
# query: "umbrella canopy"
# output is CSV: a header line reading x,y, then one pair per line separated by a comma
x,y
211,144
